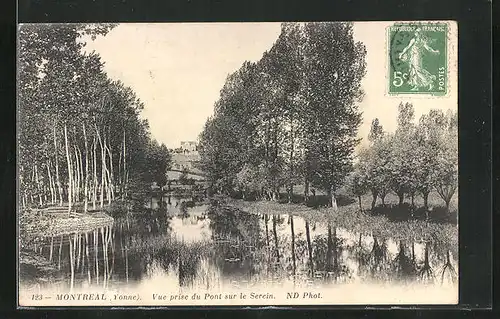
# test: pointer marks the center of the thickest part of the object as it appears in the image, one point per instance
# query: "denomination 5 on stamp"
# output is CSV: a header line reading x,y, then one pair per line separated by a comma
x,y
417,58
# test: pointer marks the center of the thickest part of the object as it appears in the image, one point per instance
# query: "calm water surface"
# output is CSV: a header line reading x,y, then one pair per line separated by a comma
x,y
205,247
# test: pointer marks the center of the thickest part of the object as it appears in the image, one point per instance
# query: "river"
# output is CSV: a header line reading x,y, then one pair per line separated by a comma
x,y
177,248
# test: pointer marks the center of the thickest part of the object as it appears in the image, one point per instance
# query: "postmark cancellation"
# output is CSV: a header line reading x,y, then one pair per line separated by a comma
x,y
418,58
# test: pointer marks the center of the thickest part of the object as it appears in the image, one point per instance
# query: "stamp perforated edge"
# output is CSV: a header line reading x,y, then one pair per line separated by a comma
x,y
451,62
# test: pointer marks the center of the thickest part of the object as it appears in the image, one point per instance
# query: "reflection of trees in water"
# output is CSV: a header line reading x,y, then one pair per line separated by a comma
x,y
146,222
425,273
378,256
170,255
292,230
152,221
371,260
85,258
296,262
327,254
183,210
448,270
444,258
404,263
145,240
309,250
266,221
140,235
376,263
239,250
237,240
284,254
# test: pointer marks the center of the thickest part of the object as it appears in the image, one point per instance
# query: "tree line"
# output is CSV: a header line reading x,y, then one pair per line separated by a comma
x,y
81,138
416,159
290,118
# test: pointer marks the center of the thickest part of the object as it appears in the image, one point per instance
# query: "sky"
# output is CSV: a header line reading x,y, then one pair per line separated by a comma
x,y
178,70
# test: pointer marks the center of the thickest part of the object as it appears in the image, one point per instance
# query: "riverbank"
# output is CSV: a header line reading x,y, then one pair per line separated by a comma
x,y
33,226
61,224
351,218
35,268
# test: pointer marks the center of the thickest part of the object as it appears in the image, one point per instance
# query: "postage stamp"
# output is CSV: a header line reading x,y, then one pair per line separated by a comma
x,y
417,58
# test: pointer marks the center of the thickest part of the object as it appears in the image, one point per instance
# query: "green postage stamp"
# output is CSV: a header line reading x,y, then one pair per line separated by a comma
x,y
417,58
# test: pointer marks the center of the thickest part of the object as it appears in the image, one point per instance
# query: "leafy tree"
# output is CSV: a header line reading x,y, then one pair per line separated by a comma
x,y
285,64
402,154
81,137
249,180
357,184
376,131
291,116
446,173
334,67
158,161
374,162
428,136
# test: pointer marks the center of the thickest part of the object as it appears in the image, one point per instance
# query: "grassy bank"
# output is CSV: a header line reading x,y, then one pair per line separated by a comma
x,y
34,225
350,217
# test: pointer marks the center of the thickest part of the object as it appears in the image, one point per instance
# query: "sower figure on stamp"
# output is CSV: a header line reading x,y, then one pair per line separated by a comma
x,y
418,77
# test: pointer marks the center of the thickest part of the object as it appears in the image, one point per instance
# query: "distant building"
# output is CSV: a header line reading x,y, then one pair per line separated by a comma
x,y
188,146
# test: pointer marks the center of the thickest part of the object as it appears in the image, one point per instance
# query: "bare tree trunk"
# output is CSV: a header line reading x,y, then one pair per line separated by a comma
x,y
125,172
306,190
382,197
52,190
94,158
105,171
77,176
103,167
58,181
374,198
70,178
111,171
447,203
81,178
86,189
333,200
109,175
39,189
425,195
32,182
401,196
